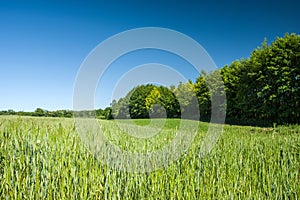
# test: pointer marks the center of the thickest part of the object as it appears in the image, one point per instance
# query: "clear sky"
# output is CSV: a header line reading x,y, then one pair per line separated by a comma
x,y
43,43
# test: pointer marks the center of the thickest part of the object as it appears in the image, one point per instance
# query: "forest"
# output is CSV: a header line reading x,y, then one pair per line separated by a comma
x,y
262,90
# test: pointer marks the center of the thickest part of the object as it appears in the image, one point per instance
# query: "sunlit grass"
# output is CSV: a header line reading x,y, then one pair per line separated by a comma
x,y
44,158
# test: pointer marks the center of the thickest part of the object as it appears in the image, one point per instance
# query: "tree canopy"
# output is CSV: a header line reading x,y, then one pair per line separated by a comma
x,y
260,90
266,86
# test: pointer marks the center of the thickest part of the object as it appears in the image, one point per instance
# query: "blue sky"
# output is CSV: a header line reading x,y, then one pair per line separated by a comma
x,y
43,43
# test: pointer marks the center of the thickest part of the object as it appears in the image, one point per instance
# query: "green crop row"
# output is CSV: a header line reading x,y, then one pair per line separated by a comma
x,y
46,158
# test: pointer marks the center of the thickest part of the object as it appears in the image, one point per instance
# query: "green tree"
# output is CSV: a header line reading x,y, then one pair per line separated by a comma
x,y
169,102
264,88
186,96
137,101
147,99
203,96
39,112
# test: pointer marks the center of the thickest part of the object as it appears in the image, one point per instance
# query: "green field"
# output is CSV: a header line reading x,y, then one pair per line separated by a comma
x,y
44,158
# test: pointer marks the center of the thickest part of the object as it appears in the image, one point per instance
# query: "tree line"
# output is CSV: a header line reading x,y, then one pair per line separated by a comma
x,y
261,90
39,112
265,88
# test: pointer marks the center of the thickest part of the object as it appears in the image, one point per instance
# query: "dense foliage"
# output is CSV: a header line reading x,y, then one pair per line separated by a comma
x,y
39,112
266,86
261,90
145,101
